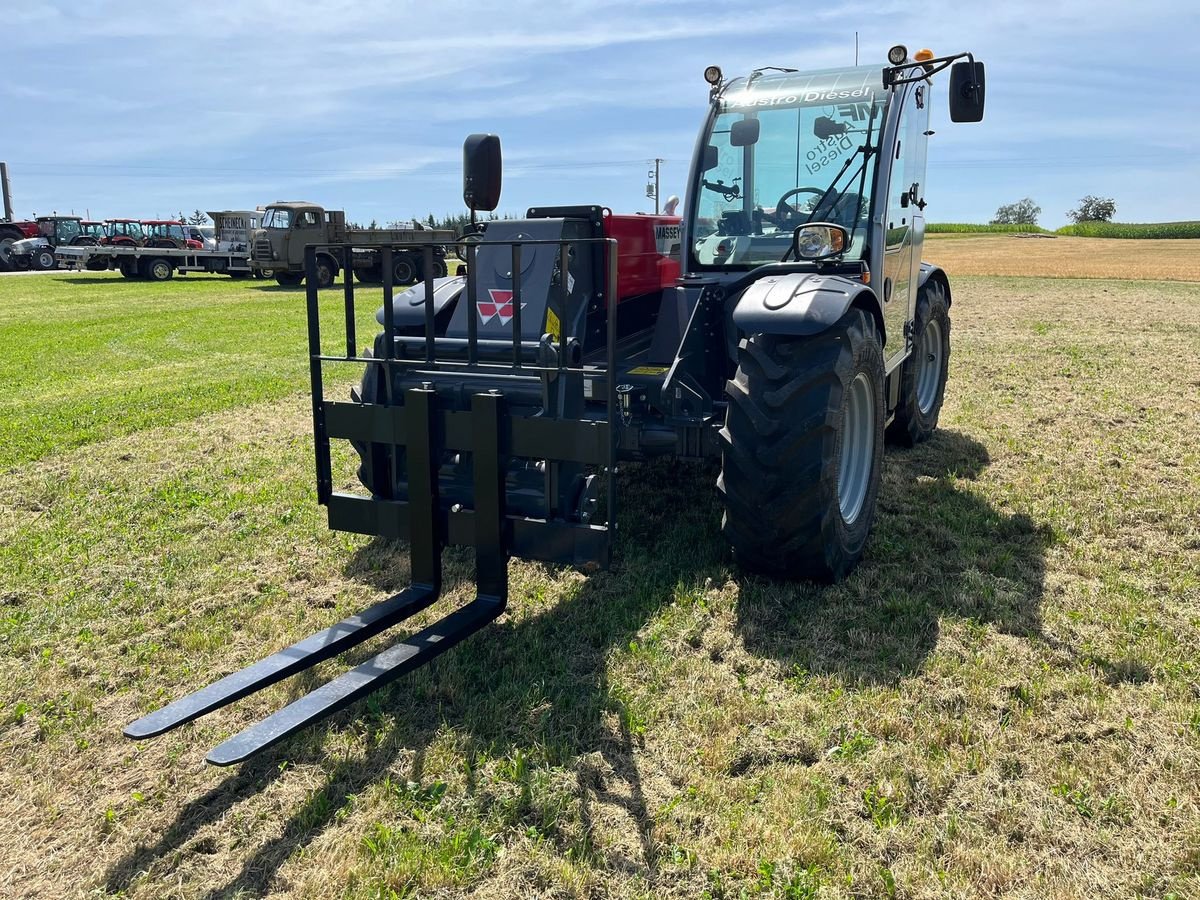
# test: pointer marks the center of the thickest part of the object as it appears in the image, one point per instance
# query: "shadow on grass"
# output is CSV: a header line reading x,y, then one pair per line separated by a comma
x,y
536,684
937,550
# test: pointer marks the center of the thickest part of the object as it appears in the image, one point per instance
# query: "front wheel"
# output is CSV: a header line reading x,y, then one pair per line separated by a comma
x,y
803,450
157,269
923,377
44,259
404,270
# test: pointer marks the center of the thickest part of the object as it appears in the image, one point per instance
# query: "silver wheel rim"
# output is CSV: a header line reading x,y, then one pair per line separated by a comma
x,y
161,271
858,448
929,368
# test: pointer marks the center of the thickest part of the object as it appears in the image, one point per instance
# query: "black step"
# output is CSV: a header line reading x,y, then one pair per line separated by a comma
x,y
302,655
403,657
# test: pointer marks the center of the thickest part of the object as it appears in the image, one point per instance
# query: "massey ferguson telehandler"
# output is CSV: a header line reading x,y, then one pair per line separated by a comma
x,y
796,326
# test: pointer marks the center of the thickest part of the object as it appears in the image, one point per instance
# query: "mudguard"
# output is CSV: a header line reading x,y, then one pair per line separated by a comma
x,y
929,270
409,306
799,303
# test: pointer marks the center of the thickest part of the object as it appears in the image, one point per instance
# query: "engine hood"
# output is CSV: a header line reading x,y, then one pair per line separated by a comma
x,y
28,245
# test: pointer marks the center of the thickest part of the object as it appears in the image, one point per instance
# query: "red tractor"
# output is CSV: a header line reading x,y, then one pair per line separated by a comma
x,y
170,234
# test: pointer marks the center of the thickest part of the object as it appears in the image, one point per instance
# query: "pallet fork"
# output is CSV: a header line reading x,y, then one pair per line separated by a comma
x,y
427,428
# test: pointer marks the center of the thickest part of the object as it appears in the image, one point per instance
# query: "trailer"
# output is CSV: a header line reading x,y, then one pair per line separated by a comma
x,y
154,263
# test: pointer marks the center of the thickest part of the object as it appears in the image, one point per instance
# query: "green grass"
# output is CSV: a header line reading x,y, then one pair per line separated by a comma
x,y
1005,687
1148,230
138,355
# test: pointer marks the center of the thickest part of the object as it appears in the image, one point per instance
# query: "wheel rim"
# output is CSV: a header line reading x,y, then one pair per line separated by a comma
x,y
929,368
161,271
858,448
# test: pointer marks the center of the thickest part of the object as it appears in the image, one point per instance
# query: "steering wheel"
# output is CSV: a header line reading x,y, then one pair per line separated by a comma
x,y
786,216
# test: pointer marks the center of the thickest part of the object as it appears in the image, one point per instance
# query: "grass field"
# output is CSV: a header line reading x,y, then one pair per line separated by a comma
x,y
1002,701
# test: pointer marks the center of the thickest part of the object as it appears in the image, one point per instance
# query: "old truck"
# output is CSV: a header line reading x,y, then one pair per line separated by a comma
x,y
289,227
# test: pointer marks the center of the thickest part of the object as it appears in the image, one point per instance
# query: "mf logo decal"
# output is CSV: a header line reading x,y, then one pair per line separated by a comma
x,y
501,307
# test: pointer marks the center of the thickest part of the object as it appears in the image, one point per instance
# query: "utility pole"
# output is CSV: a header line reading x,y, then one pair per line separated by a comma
x,y
652,185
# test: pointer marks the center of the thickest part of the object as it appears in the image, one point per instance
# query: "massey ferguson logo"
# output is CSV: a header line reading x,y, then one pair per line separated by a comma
x,y
501,307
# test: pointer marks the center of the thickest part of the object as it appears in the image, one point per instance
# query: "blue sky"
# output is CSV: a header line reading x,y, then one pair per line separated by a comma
x,y
145,109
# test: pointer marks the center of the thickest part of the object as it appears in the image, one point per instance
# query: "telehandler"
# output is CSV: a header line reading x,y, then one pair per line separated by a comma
x,y
784,326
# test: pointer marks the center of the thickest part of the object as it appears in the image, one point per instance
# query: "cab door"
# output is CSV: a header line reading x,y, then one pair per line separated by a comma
x,y
306,229
905,233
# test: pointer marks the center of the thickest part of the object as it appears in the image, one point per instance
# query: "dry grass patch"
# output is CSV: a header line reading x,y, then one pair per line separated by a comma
x,y
1004,700
1064,257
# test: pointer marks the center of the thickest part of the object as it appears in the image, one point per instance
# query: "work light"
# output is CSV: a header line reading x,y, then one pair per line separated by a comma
x,y
897,54
713,75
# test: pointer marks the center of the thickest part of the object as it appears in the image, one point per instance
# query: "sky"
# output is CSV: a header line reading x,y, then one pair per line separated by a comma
x,y
148,109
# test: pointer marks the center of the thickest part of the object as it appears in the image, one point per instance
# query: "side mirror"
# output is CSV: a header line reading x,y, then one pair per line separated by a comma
x,y
966,92
482,172
819,240
710,158
744,133
825,128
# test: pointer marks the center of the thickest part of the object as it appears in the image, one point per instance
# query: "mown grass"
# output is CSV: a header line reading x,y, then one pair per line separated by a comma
x,y
1001,701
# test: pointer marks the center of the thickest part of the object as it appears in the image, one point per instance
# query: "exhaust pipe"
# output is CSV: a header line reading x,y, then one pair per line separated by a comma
x,y
8,210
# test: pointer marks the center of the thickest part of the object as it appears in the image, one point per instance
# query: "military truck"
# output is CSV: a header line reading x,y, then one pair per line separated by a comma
x,y
289,227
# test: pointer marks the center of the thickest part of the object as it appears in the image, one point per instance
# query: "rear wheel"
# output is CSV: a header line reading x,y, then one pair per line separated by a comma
x,y
129,268
923,377
7,236
369,274
288,279
803,450
44,259
326,272
404,270
157,268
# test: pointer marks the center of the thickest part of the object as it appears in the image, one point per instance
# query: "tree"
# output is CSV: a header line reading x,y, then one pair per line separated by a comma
x,y
1023,212
198,218
1093,209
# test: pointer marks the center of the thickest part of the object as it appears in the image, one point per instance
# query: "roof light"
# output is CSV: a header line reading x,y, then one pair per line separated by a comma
x,y
923,55
713,75
897,54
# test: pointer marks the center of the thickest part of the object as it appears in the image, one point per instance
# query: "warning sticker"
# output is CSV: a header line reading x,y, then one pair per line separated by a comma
x,y
648,370
553,326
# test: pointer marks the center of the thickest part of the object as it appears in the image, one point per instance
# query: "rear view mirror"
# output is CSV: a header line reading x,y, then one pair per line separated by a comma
x,y
482,172
744,133
710,158
966,92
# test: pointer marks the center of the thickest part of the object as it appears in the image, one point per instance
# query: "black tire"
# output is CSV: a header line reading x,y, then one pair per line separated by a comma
x,y
404,269
157,268
7,236
923,376
129,268
43,259
326,272
781,465
440,270
97,264
237,276
288,279
369,275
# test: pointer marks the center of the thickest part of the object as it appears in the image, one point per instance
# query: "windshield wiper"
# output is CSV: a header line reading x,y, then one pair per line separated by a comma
x,y
834,197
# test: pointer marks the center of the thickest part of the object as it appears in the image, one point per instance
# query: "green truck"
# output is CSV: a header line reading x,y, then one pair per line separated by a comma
x,y
277,246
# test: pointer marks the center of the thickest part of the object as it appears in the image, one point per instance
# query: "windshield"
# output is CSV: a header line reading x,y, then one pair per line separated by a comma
x,y
276,218
806,163
66,230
